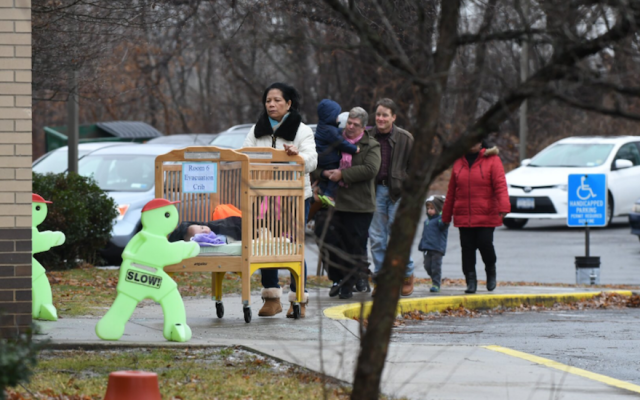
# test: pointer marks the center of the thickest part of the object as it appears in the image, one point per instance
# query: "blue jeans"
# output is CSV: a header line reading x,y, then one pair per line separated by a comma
x,y
381,227
270,276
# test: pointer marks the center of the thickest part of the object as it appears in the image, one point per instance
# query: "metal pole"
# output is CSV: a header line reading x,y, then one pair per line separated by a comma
x,y
524,74
72,123
586,240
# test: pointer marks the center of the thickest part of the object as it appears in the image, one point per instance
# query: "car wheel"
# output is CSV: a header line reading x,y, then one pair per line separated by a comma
x,y
609,211
515,223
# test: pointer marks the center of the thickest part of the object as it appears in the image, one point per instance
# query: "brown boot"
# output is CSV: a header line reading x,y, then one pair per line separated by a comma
x,y
303,304
271,298
407,286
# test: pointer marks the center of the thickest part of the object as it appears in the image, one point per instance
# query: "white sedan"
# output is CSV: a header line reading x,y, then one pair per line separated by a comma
x,y
538,189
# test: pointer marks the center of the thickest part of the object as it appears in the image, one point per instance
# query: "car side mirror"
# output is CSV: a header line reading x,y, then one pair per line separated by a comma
x,y
622,164
525,162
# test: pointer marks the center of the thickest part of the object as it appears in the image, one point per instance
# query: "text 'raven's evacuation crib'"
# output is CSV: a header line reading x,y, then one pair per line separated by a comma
x,y
266,185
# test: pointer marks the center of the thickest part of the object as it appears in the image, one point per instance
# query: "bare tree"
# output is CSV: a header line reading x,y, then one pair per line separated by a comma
x,y
407,40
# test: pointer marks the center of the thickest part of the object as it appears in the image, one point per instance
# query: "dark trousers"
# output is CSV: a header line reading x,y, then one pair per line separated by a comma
x,y
472,239
433,266
346,244
270,276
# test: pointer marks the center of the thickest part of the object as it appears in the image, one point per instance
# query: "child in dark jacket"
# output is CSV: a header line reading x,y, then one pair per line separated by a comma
x,y
330,144
434,240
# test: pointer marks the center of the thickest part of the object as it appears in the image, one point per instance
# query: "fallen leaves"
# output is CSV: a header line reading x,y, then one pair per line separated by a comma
x,y
48,394
603,300
462,283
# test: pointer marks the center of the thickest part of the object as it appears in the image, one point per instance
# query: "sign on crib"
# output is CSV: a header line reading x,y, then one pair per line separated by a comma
x,y
200,177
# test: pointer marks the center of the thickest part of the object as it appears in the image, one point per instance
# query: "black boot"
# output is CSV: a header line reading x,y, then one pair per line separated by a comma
x,y
472,282
491,277
362,277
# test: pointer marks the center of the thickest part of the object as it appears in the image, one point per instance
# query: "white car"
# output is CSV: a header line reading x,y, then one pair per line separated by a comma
x,y
57,161
538,189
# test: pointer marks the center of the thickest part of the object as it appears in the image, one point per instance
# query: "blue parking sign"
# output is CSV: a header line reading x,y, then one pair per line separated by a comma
x,y
587,200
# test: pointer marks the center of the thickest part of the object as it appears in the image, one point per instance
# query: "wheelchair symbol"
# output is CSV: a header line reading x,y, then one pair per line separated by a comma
x,y
584,191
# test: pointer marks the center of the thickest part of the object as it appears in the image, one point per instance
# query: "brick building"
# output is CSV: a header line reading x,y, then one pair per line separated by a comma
x,y
15,166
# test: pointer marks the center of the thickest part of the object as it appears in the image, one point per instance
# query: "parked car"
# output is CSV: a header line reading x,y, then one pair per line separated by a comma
x,y
57,161
233,138
186,139
634,219
127,174
538,189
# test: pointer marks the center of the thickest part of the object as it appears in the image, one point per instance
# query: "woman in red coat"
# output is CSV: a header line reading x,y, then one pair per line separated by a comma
x,y
478,200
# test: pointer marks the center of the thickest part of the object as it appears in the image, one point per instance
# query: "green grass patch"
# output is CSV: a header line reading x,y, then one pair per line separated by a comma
x,y
91,291
199,374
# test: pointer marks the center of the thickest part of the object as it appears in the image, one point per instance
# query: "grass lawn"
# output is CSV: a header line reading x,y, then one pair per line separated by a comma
x,y
91,291
215,373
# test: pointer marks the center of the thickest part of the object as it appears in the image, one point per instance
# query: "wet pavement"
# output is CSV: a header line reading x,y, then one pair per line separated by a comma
x,y
544,251
602,341
426,360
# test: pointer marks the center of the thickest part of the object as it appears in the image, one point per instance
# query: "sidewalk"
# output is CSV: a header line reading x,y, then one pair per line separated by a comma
x,y
416,370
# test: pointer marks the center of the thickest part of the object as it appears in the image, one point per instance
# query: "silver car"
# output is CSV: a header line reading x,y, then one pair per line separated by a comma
x,y
127,174
57,161
233,138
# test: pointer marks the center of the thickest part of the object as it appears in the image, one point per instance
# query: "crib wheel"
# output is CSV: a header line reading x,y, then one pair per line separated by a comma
x,y
247,314
296,311
219,309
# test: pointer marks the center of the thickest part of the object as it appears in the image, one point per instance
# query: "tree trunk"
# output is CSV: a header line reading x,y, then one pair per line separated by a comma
x,y
375,343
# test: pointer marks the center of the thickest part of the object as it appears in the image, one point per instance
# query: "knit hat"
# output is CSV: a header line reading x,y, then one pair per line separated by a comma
x,y
342,120
437,201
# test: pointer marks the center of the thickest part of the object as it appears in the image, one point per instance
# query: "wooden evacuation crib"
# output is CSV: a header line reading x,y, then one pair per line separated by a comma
x,y
266,185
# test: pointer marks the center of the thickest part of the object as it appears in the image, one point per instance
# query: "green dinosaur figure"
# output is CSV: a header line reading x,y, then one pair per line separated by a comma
x,y
142,275
42,300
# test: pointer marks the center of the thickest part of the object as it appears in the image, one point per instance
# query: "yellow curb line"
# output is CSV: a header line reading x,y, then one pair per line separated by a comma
x,y
566,368
472,302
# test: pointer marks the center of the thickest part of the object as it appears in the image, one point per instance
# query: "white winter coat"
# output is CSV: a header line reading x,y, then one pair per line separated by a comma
x,y
304,141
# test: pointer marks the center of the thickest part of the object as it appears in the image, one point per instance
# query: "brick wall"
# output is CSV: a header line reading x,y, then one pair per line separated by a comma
x,y
15,166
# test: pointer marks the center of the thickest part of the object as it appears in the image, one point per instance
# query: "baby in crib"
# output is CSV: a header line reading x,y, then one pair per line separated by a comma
x,y
229,228
204,236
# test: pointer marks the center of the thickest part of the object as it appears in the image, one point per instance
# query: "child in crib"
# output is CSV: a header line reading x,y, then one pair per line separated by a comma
x,y
229,228
203,235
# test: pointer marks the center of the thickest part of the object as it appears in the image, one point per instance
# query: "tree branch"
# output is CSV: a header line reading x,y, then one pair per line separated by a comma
x,y
535,85
467,39
614,112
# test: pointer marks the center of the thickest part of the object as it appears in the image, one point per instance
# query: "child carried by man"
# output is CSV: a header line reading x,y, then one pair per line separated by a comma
x,y
434,240
330,144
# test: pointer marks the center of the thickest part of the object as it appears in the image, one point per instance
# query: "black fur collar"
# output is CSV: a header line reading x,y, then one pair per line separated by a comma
x,y
286,131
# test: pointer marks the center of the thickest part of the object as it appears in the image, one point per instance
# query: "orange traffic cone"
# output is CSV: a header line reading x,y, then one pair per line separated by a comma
x,y
132,385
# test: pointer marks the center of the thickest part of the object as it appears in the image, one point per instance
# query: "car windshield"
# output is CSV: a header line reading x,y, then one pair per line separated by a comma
x,y
56,162
119,173
229,141
573,155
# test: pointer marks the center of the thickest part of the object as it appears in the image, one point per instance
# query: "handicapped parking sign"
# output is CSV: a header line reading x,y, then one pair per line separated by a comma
x,y
587,204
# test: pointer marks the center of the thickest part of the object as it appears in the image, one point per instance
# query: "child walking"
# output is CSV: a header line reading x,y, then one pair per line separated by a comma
x,y
434,240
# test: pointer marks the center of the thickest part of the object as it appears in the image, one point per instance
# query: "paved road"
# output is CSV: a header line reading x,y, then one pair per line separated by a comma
x,y
424,361
600,341
544,251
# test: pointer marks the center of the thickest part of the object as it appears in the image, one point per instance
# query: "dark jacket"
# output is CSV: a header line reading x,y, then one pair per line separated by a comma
x,y
401,143
329,141
360,194
434,231
476,196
